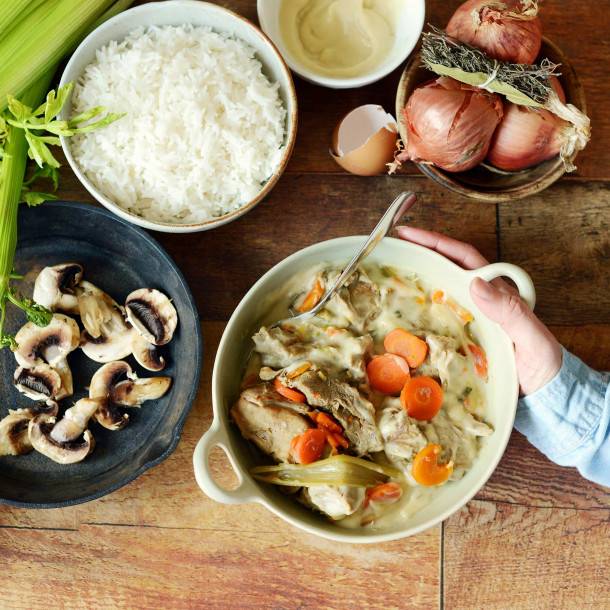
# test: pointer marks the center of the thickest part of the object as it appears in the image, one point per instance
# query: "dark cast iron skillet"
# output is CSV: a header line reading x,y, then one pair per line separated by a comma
x,y
118,257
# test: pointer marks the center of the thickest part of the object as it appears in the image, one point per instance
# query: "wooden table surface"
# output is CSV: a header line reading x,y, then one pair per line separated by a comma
x,y
536,536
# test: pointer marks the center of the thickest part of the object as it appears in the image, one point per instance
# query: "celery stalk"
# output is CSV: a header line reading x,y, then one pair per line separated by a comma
x,y
12,171
13,11
39,41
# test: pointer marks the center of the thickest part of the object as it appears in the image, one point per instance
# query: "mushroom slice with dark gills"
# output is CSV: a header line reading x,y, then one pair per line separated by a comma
x,y
51,344
152,314
107,335
14,438
41,382
55,287
115,384
104,379
68,440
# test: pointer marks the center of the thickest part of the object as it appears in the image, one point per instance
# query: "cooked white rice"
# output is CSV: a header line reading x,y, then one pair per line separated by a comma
x,y
204,127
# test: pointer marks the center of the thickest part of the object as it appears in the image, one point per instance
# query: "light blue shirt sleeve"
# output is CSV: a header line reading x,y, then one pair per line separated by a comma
x,y
569,419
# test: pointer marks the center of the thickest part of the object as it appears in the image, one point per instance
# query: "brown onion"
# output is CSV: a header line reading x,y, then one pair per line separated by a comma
x,y
528,136
508,31
450,124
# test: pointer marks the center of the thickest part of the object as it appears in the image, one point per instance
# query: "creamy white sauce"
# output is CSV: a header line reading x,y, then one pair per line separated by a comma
x,y
404,302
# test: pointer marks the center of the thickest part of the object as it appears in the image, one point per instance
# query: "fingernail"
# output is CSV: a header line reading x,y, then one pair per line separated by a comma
x,y
483,289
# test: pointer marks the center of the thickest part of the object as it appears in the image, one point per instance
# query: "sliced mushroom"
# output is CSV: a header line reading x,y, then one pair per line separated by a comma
x,y
107,335
65,374
55,287
133,392
109,387
50,344
152,314
59,440
146,354
108,414
41,382
100,314
14,439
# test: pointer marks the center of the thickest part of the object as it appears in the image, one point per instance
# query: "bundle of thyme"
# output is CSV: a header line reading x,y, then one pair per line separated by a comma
x,y
526,85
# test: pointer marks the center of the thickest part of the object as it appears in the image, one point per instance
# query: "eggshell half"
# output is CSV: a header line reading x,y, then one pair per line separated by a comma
x,y
364,140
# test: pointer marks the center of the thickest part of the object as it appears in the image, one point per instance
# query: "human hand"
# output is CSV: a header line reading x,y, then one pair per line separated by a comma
x,y
537,352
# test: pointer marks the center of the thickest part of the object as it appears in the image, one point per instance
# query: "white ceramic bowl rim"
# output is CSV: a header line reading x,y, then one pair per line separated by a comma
x,y
419,10
153,8
249,490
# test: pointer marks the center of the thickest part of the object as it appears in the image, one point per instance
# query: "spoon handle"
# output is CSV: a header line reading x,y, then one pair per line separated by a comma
x,y
393,214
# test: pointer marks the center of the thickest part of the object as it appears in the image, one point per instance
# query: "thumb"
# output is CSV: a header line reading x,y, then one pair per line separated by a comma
x,y
507,309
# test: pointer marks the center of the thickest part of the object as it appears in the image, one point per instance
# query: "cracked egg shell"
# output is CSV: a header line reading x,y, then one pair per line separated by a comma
x,y
364,141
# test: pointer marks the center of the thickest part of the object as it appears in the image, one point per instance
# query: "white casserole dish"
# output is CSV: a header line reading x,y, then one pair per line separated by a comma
x,y
235,345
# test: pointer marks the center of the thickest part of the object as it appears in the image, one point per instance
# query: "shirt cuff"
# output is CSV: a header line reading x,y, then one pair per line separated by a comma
x,y
563,414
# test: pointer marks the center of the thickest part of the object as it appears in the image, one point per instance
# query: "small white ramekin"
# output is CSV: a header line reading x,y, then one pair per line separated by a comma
x,y
408,31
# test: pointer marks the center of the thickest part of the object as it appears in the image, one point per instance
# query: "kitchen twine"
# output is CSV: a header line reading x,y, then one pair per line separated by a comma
x,y
492,77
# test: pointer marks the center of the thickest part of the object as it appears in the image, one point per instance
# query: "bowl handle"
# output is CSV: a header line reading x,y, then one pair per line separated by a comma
x,y
217,437
524,283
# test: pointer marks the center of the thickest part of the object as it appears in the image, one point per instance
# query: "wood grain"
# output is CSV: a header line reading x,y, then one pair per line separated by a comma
x,y
498,556
561,237
182,568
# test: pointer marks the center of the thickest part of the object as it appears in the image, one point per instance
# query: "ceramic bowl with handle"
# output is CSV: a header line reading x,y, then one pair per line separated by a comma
x,y
178,12
436,271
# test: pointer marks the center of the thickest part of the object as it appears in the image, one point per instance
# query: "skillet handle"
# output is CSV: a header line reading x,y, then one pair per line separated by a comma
x,y
524,283
217,437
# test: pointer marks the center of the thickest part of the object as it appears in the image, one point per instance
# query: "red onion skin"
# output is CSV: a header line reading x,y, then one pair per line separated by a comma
x,y
450,124
501,36
527,137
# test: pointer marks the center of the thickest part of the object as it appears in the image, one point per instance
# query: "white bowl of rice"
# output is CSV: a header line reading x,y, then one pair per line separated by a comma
x,y
210,115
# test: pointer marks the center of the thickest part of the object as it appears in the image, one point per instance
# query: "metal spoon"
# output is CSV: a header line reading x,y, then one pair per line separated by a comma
x,y
388,221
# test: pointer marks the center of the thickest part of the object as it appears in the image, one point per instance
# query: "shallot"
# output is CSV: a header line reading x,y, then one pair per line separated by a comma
x,y
529,136
450,124
508,31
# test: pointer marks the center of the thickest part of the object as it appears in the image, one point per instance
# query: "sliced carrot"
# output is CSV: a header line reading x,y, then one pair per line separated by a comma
x,y
388,373
340,440
384,493
313,297
480,359
309,446
332,441
405,344
286,392
426,468
324,420
299,370
422,397
438,296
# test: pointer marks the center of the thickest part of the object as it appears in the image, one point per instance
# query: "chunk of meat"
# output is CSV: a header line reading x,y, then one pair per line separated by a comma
x,y
336,502
354,412
336,350
355,304
402,438
278,346
269,421
457,446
